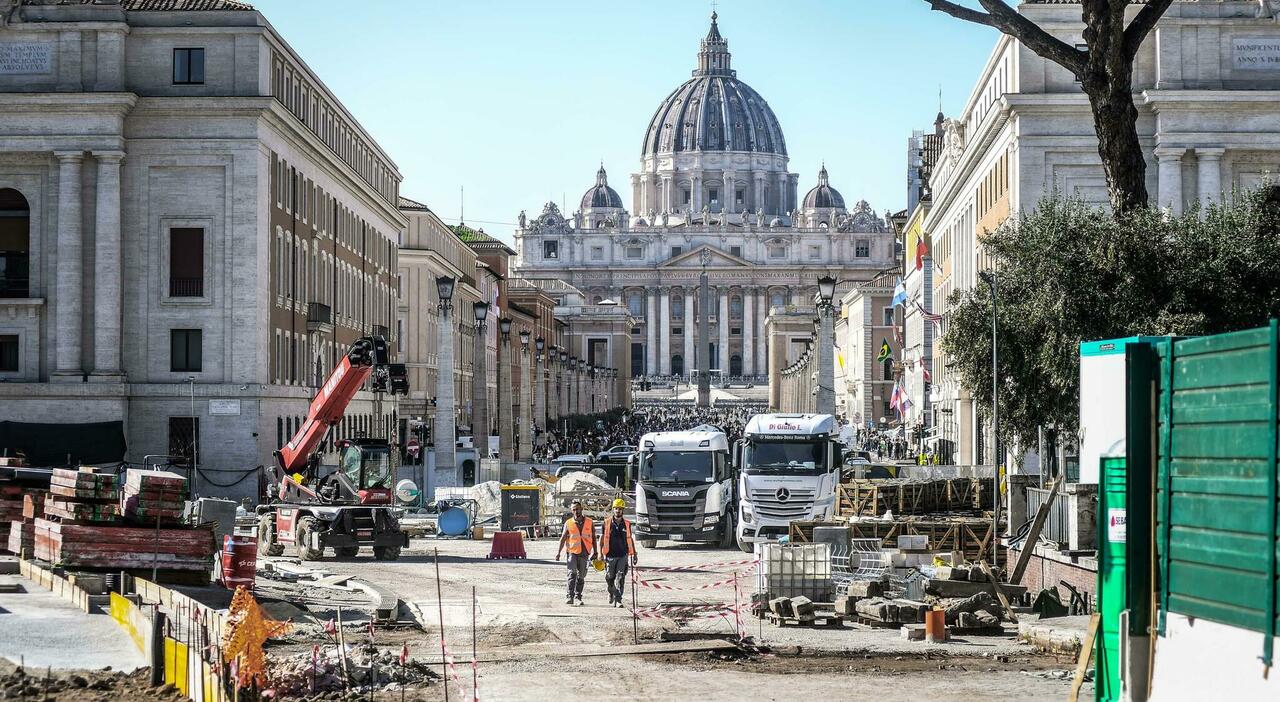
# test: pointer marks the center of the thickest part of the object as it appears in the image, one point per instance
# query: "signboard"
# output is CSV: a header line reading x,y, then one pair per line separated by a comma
x,y
1117,526
1255,53
230,408
18,58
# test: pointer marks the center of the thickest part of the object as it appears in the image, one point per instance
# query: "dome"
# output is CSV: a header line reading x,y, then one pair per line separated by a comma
x,y
714,111
823,195
601,195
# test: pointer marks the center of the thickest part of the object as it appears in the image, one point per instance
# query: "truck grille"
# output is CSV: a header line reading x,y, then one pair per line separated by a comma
x,y
766,504
675,512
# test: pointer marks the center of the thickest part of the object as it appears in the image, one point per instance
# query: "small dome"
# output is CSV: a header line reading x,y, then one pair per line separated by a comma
x,y
823,196
601,195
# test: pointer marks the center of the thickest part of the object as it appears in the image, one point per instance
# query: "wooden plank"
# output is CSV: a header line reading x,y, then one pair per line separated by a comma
x,y
995,584
1082,663
1033,536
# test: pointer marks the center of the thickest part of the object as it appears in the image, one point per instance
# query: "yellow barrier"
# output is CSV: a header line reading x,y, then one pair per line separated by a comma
x,y
126,614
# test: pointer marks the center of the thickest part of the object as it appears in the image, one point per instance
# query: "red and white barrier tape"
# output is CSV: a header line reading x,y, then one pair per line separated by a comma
x,y
719,583
698,566
453,670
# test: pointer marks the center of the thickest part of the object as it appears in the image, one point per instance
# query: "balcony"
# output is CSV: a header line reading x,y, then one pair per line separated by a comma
x,y
319,318
186,287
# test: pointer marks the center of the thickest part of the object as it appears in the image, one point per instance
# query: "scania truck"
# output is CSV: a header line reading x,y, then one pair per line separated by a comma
x,y
685,488
788,467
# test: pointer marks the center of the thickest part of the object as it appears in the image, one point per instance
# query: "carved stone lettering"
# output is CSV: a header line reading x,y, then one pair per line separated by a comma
x,y
25,57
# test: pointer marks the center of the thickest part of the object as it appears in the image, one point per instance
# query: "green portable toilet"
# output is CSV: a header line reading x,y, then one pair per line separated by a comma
x,y
1113,574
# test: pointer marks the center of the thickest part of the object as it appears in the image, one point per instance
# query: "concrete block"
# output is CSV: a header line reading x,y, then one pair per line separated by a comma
x,y
898,559
802,607
846,605
987,619
891,612
912,632
967,620
910,611
866,588
780,606
913,541
873,608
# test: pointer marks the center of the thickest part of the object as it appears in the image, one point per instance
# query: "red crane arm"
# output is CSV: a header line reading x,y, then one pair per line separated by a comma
x,y
327,409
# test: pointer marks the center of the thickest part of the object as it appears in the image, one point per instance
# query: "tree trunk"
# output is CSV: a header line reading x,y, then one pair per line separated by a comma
x,y
1108,82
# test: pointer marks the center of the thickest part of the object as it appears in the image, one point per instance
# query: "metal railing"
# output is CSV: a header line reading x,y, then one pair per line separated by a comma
x,y
186,287
1057,527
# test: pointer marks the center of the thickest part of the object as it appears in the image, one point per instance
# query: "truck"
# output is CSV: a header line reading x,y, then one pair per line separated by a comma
x,y
684,488
344,507
788,468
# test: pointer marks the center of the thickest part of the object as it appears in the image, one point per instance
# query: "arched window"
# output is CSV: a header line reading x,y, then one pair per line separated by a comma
x,y
735,307
635,304
677,364
677,307
15,244
735,365
777,299
596,299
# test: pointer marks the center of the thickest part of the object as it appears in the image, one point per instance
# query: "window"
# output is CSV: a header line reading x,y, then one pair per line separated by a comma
x,y
777,251
713,195
635,304
676,251
740,196
677,307
9,353
184,437
736,251
735,331
735,307
597,253
15,244
862,248
815,251
551,249
635,252
184,350
888,409
887,369
777,300
677,331
188,66
186,262
888,316
684,196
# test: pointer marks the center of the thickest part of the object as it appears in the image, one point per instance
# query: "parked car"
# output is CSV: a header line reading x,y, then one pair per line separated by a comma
x,y
616,454
570,459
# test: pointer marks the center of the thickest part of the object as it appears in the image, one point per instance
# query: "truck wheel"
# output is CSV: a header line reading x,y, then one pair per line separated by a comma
x,y
386,553
302,536
649,543
267,543
347,551
730,534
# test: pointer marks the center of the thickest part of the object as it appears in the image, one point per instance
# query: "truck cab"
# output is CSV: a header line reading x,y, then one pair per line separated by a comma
x,y
788,468
684,488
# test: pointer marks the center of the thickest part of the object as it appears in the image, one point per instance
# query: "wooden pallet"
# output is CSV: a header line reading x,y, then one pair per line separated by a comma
x,y
817,621
872,498
968,535
876,623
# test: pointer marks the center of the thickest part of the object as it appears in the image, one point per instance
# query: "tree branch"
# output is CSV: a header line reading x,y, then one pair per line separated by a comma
x,y
1142,25
1008,21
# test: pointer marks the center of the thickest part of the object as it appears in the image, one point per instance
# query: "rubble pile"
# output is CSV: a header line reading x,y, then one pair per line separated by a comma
x,y
368,667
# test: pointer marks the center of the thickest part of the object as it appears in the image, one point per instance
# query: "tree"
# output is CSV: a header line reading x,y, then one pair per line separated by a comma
x,y
1105,71
1069,272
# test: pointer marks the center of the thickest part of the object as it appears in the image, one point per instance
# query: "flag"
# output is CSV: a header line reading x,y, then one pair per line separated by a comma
x,y
885,351
404,654
922,250
924,371
840,360
904,399
331,628
934,319
900,294
895,398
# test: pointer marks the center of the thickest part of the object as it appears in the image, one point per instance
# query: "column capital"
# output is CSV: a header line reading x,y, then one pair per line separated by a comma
x,y
1172,153
69,156
109,155
1210,153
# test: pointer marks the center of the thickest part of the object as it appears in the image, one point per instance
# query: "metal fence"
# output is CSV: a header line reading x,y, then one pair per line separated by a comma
x,y
1057,526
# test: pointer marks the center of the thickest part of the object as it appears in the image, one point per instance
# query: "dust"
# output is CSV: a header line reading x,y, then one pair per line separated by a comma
x,y
515,633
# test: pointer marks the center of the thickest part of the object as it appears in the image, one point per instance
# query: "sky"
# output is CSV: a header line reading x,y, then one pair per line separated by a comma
x,y
517,102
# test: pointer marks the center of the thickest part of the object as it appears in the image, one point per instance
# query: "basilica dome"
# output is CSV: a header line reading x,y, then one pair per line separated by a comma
x,y
714,111
601,195
823,195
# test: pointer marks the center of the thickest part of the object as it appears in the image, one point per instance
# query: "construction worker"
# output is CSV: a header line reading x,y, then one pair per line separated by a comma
x,y
618,550
579,539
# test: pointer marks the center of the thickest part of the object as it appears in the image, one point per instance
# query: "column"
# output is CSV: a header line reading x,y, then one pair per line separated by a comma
x,y
695,198
69,276
782,195
539,398
722,323
761,337
446,434
505,444
1209,175
651,331
1170,178
748,332
757,191
825,401
480,393
108,279
526,407
729,192
664,322
666,193
689,334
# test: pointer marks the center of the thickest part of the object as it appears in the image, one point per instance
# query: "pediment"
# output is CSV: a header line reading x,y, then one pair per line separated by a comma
x,y
693,259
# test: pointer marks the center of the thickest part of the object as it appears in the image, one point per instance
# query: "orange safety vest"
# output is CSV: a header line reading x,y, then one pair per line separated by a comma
x,y
580,541
604,545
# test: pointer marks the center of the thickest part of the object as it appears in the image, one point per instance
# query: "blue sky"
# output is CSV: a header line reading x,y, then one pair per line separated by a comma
x,y
519,100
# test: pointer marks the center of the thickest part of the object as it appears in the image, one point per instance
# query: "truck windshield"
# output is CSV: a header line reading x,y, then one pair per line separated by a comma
x,y
800,457
377,467
677,466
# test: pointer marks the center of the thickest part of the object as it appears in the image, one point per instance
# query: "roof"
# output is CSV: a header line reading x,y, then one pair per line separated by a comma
x,y
183,5
469,235
407,204
601,195
685,440
791,424
823,195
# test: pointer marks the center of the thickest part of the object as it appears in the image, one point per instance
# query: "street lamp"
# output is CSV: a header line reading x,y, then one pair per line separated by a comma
x,y
504,393
524,340
480,382
539,386
824,330
989,277
826,289
446,427
481,312
526,399
504,325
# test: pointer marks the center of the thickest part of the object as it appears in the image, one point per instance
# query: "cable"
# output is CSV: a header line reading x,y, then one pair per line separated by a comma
x,y
244,474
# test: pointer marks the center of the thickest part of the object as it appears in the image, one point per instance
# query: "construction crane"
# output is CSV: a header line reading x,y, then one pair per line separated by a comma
x,y
351,506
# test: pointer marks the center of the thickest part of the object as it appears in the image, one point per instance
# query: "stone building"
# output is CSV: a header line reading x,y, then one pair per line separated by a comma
x,y
1205,85
714,177
195,231
868,321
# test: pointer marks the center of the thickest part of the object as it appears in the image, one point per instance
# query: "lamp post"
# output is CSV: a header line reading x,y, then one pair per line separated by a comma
x,y
826,382
575,398
539,389
504,392
564,382
553,389
480,382
526,399
446,431
989,277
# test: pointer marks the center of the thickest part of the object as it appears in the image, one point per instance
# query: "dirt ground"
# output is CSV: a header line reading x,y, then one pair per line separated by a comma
x,y
80,685
532,646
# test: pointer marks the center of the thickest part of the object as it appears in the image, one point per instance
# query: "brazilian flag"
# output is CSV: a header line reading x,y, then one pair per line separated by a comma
x,y
885,351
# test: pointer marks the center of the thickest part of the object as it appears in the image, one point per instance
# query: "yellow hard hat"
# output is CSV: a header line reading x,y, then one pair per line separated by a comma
x,y
598,564
620,503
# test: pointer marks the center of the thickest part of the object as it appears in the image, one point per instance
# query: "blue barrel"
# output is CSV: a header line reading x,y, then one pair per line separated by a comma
x,y
454,522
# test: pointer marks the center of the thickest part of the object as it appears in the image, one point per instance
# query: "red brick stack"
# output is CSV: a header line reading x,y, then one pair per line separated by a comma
x,y
151,495
22,532
10,511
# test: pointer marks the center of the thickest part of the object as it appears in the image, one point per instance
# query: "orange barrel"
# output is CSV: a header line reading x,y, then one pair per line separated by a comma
x,y
935,626
239,561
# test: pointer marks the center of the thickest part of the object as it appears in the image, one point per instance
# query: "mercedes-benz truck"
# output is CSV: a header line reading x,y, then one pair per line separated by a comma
x,y
788,467
685,488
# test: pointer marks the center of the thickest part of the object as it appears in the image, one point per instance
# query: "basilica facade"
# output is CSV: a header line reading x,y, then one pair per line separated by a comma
x,y
714,192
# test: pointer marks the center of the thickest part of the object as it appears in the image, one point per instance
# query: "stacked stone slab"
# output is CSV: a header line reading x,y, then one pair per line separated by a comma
x,y
83,496
10,513
151,496
886,611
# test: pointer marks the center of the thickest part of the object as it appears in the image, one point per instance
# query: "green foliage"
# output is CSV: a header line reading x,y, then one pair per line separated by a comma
x,y
1069,272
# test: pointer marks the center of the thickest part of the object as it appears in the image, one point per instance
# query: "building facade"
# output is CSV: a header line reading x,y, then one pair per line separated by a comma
x,y
196,230
868,321
1207,88
714,177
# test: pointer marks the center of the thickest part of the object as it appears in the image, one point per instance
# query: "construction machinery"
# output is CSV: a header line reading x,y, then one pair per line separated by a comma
x,y
347,506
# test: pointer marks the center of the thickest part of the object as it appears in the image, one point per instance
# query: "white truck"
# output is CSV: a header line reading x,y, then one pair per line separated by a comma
x,y
685,488
788,467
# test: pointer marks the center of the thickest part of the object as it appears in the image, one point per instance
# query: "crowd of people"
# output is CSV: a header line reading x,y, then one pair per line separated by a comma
x,y
633,424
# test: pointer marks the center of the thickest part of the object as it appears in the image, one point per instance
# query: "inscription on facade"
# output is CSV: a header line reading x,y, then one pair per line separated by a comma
x,y
1256,53
18,58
